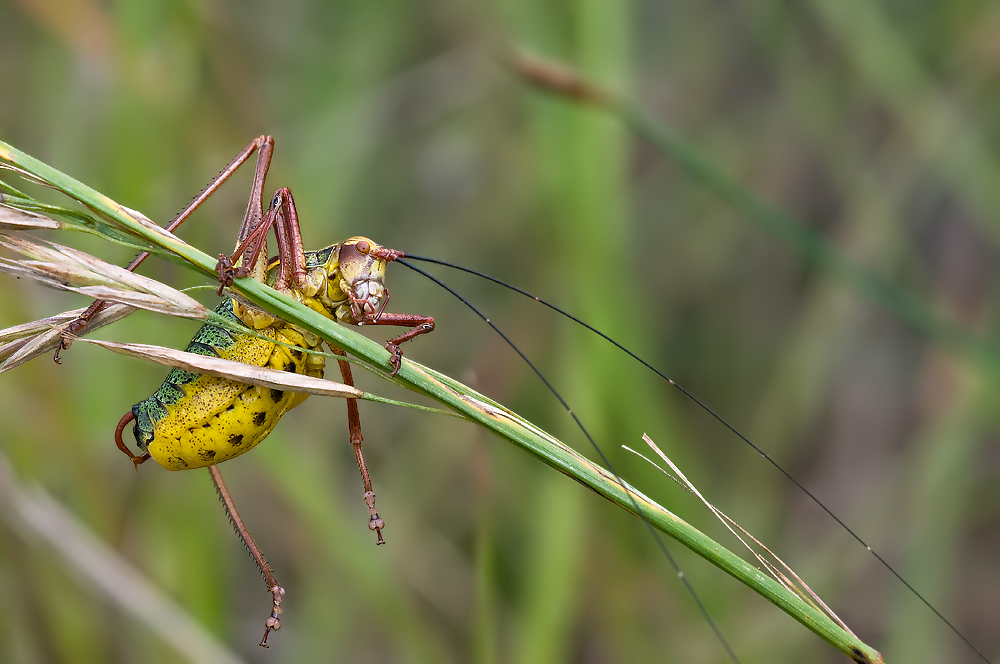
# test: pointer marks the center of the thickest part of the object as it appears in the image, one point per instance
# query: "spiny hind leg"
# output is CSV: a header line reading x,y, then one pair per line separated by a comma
x,y
264,146
354,425
273,587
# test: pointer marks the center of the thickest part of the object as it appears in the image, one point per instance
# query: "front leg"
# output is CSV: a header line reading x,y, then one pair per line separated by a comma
x,y
420,325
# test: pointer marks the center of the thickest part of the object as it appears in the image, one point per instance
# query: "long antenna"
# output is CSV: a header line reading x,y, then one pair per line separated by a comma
x,y
607,463
690,396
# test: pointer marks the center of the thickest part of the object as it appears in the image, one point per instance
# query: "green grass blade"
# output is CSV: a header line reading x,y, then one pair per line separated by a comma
x,y
810,245
470,404
786,227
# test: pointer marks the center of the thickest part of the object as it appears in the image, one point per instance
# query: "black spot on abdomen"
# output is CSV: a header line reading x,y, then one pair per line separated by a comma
x,y
276,395
258,418
236,439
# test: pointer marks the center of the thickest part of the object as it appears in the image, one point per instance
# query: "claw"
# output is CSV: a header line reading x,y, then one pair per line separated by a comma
x,y
377,525
396,360
74,326
375,522
225,269
227,272
273,622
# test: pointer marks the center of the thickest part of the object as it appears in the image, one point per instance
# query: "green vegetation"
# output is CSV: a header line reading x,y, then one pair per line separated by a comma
x,y
872,125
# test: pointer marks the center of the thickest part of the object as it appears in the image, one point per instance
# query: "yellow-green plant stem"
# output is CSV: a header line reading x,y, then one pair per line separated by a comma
x,y
468,403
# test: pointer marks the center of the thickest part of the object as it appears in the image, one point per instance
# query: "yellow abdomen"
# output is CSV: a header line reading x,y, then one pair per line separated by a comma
x,y
194,420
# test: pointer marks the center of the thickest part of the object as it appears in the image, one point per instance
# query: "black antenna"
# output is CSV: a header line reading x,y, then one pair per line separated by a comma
x,y
607,464
690,396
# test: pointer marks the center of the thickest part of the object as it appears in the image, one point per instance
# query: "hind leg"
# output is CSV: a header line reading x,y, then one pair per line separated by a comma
x,y
273,587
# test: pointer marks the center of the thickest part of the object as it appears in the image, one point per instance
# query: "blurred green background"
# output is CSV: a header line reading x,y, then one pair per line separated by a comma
x,y
878,123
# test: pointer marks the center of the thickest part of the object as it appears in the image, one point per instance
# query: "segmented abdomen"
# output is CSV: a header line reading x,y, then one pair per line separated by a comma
x,y
194,420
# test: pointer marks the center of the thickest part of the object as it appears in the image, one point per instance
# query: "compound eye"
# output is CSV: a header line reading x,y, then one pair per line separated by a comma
x,y
363,247
276,201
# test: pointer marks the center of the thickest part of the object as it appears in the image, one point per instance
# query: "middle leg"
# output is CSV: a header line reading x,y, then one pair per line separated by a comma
x,y
354,425
284,218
